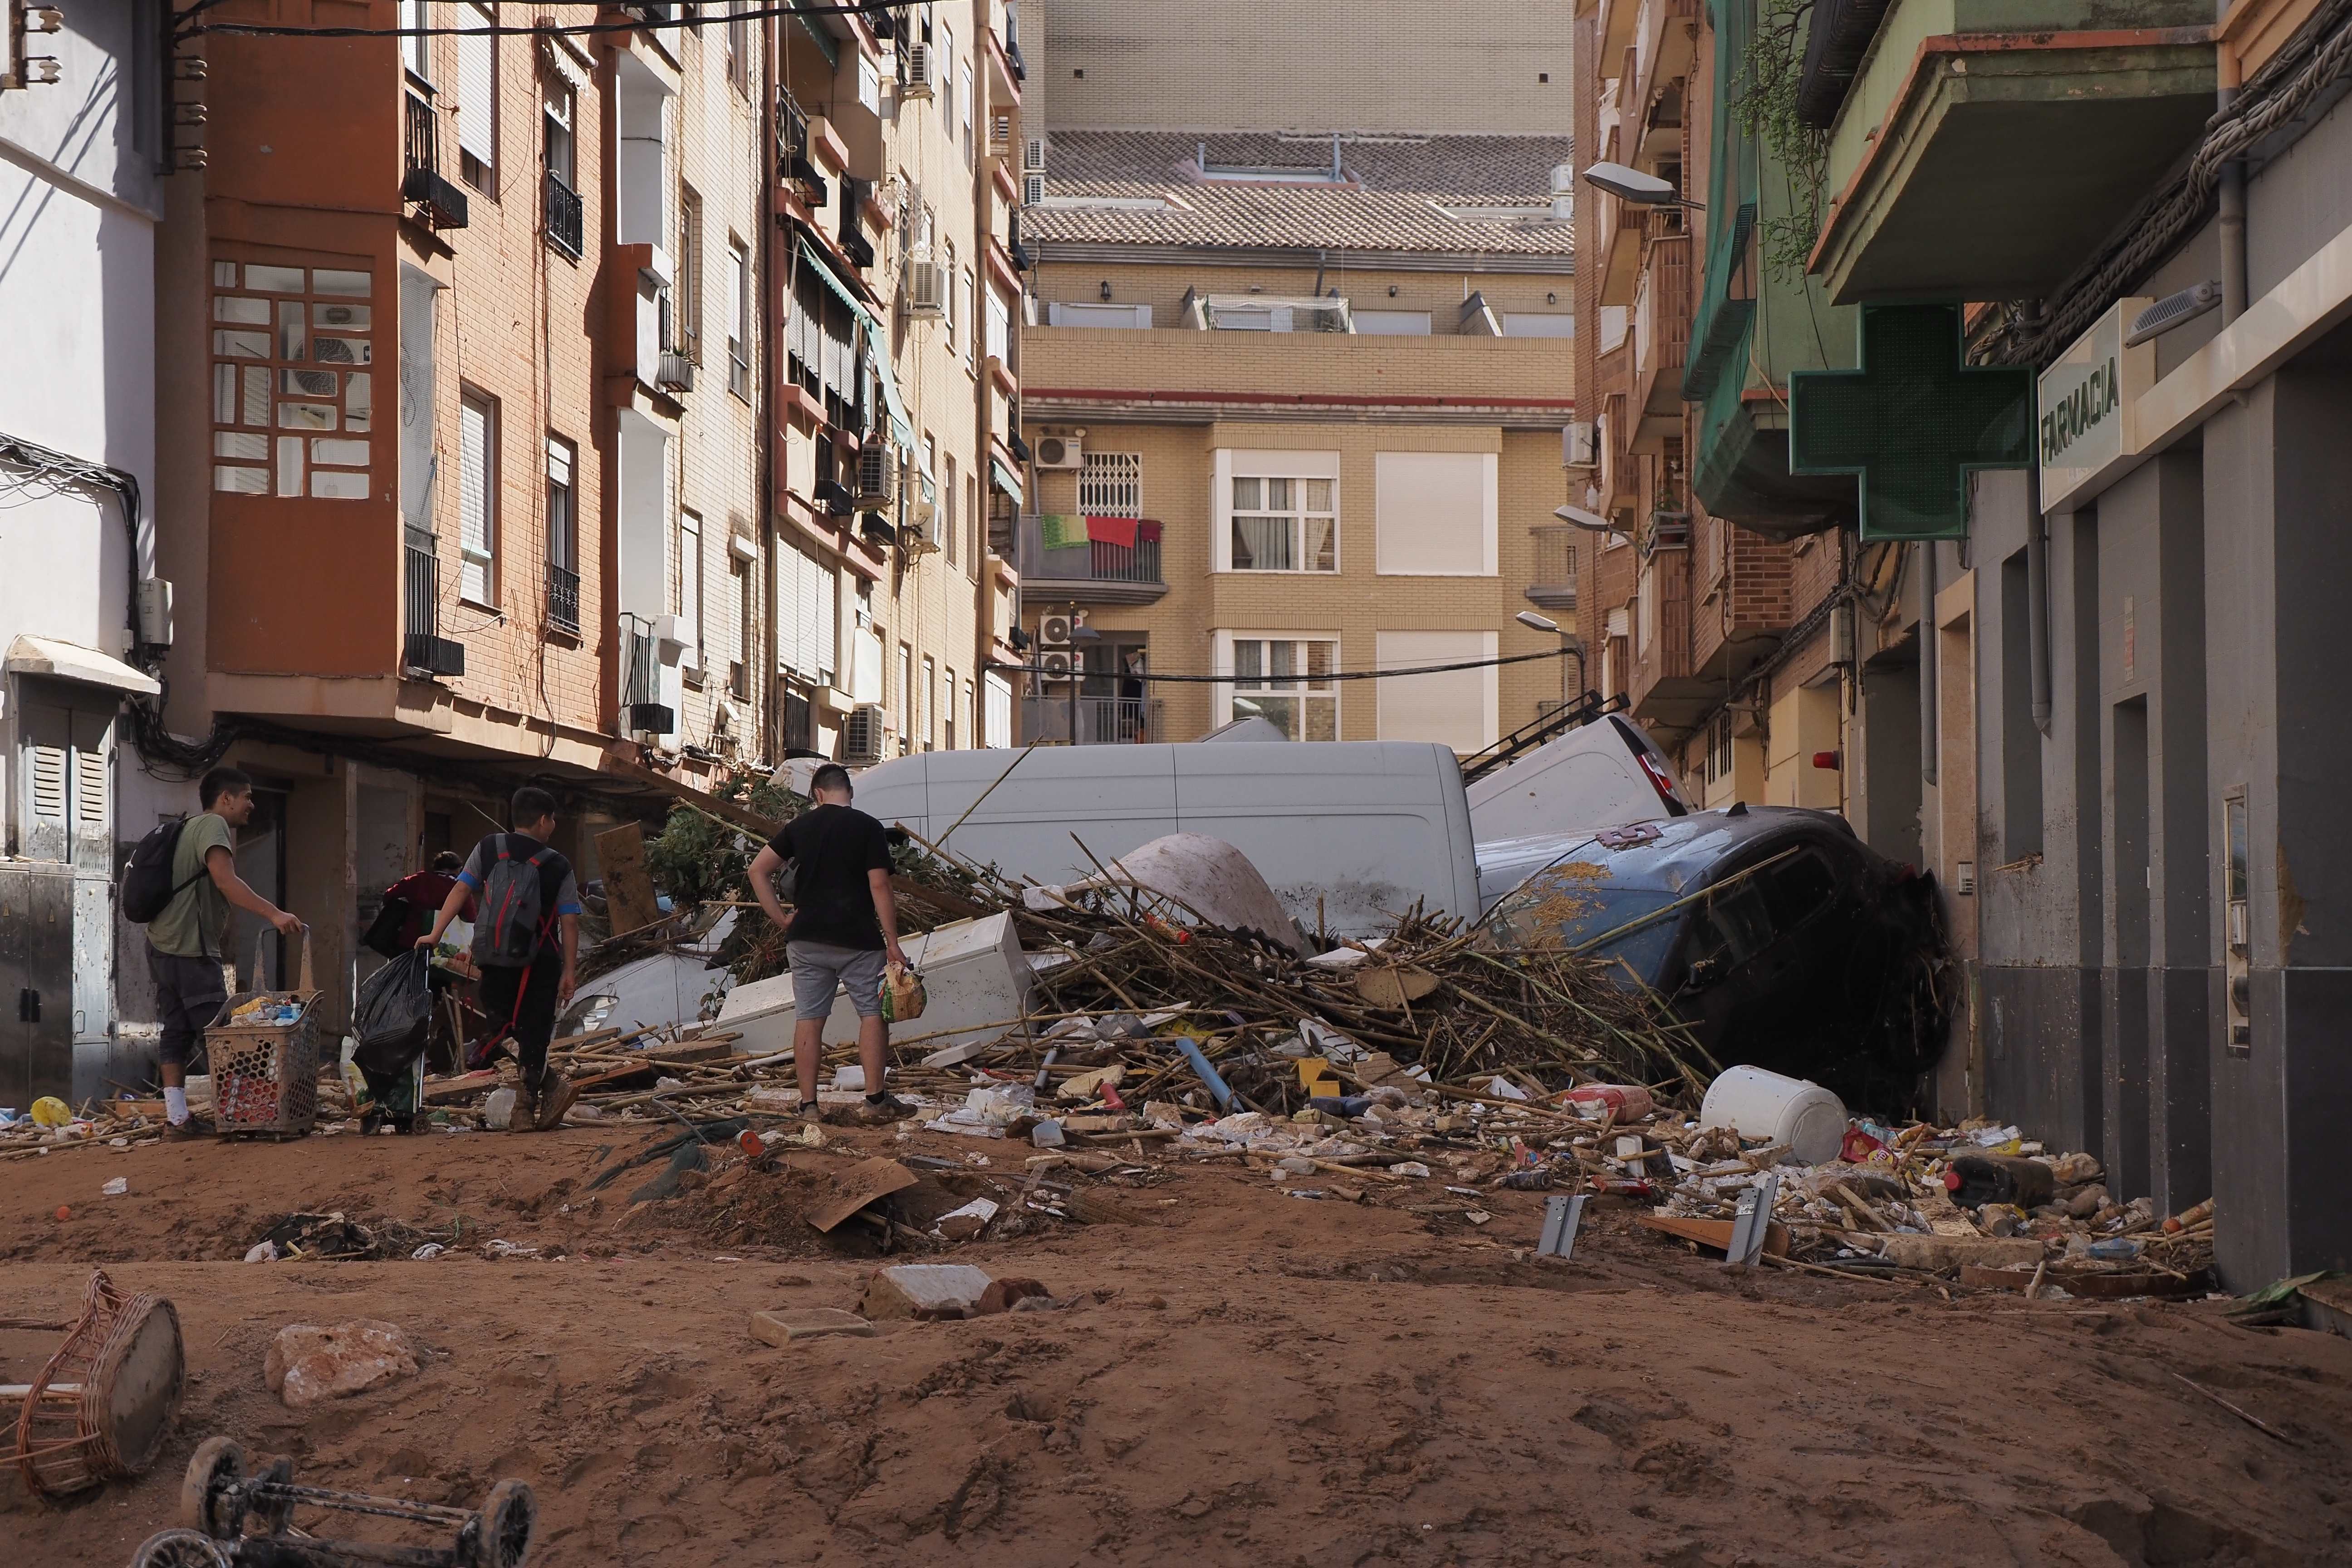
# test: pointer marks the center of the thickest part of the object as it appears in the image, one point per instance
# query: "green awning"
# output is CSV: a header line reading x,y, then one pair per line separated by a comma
x,y
1006,479
901,428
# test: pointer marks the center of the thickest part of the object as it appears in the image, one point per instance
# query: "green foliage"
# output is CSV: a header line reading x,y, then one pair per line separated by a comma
x,y
1764,105
696,857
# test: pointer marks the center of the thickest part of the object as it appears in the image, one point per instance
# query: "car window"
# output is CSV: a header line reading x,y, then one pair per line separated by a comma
x,y
1740,919
1795,890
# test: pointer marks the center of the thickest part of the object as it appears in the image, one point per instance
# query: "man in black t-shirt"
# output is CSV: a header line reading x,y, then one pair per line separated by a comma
x,y
840,929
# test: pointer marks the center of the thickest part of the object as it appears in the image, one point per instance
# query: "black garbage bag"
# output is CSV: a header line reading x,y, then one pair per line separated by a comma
x,y
395,1013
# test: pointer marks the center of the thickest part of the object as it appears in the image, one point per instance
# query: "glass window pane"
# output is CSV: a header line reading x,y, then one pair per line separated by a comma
x,y
341,351
353,285
289,465
328,485
308,382
250,312
256,396
1249,660
225,394
342,454
1246,493
1322,545
354,317
1319,663
244,345
274,280
1318,495
1282,712
306,417
249,445
1282,662
292,335
241,481
224,274
1277,495
359,399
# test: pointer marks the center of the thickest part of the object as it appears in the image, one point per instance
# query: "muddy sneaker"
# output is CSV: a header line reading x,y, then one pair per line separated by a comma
x,y
558,1098
524,1117
185,1132
877,1109
812,1112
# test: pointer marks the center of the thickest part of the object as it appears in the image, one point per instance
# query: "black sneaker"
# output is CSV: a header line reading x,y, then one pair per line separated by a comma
x,y
811,1110
185,1132
884,1108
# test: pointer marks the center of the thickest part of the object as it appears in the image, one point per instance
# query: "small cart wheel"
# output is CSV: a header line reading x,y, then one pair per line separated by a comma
x,y
179,1548
205,1495
502,1531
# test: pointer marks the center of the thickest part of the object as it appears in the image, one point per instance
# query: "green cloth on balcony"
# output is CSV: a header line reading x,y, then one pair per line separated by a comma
x,y
1062,530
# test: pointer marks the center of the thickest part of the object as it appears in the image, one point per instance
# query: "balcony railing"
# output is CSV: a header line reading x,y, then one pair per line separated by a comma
x,y
1552,582
422,645
1112,573
562,598
642,710
421,182
1662,306
1099,720
565,227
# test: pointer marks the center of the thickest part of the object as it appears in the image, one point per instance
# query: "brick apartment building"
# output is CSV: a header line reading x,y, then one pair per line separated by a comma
x,y
1298,379
478,442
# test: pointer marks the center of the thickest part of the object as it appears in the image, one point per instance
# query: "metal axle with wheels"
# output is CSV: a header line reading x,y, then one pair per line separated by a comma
x,y
232,1519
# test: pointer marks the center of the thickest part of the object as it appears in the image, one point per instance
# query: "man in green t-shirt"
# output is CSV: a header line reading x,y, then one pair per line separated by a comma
x,y
183,942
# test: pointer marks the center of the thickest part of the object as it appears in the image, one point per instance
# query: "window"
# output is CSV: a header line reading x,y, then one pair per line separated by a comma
x,y
477,501
562,539
963,109
1279,511
807,615
739,605
1283,680
477,98
1077,314
948,712
948,290
905,692
562,149
64,741
1536,324
1110,484
970,321
943,66
739,319
687,295
1456,708
415,52
1392,324
690,587
290,355
739,51
972,527
1000,329
928,728
944,527
1718,748
1435,513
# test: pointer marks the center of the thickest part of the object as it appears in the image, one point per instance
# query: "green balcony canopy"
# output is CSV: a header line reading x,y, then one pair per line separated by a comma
x,y
1911,422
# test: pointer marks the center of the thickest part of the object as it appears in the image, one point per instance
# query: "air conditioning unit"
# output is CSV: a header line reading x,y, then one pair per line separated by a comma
x,y
1061,452
1579,445
878,473
926,285
1033,155
1032,190
861,733
914,81
1056,631
1055,664
668,646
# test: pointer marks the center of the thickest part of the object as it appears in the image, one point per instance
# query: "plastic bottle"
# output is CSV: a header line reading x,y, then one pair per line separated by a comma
x,y
1976,1180
1630,1101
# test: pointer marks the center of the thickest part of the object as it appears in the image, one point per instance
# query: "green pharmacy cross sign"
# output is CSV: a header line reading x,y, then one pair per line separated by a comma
x,y
1911,422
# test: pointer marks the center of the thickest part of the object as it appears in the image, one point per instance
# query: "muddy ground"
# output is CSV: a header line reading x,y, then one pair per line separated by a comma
x,y
1250,1378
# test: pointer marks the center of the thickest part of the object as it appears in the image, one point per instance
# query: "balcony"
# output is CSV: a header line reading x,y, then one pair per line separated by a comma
x,y
1662,303
642,712
1985,146
1552,582
422,185
1099,720
563,599
564,216
1665,689
422,649
1096,571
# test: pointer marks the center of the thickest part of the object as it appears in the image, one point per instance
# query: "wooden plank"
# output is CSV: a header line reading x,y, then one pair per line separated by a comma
x,y
859,1185
620,765
629,899
1713,1233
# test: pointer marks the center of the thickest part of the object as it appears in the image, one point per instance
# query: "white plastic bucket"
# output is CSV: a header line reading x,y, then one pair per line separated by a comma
x,y
1759,1104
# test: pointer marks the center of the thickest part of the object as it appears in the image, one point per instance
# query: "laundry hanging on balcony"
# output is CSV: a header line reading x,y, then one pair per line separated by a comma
x,y
1147,530
1119,531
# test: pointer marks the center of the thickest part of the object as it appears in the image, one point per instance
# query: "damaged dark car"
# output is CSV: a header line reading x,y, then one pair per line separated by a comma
x,y
1776,934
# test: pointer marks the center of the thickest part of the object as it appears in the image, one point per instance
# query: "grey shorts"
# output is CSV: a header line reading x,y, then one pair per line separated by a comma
x,y
819,968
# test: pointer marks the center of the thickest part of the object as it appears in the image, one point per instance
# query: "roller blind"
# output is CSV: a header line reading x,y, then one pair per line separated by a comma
x,y
477,85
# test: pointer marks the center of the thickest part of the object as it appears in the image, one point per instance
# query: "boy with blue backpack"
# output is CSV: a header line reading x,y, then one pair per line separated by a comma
x,y
525,895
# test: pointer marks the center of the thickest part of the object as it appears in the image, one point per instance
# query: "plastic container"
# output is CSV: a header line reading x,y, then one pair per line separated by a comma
x,y
267,1066
1757,1104
1630,1101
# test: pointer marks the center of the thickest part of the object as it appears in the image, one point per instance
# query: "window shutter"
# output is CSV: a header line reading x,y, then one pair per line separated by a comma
x,y
89,751
478,92
473,500
49,776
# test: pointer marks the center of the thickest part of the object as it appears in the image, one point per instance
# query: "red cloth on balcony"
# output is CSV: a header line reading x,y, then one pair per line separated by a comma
x,y
1147,530
1119,531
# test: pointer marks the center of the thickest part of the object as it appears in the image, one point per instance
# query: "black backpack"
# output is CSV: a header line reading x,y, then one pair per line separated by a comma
x,y
147,886
517,907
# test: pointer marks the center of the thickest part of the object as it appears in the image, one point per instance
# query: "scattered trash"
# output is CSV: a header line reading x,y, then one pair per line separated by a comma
x,y
116,1187
262,1252
925,1291
101,1406
235,1514
427,1252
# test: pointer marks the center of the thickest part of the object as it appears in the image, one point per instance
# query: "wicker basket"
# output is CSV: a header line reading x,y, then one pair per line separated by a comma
x,y
103,1405
266,1076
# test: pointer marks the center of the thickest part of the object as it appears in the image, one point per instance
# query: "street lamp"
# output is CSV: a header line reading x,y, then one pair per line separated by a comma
x,y
1577,517
1630,184
1569,644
